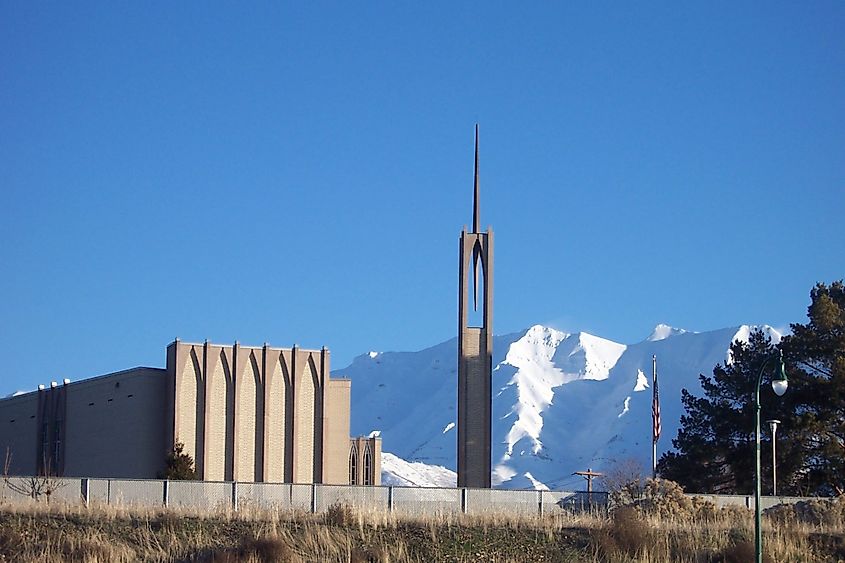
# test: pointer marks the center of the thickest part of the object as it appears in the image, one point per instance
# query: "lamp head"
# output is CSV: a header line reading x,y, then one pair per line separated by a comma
x,y
780,384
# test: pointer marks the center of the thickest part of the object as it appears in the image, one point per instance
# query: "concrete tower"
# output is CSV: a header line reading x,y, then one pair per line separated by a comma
x,y
475,349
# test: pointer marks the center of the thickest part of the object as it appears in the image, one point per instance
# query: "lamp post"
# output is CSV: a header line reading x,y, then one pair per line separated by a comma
x,y
773,427
779,386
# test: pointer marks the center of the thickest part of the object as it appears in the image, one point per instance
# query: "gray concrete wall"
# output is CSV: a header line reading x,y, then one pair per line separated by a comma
x,y
19,433
115,425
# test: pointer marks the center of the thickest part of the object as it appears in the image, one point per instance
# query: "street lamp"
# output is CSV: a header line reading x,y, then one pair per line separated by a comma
x,y
773,427
779,386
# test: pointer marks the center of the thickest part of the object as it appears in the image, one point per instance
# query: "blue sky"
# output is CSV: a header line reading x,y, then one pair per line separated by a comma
x,y
300,173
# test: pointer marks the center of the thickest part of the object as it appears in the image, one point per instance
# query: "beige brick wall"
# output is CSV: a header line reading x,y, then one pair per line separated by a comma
x,y
336,429
248,385
219,417
304,425
190,383
277,416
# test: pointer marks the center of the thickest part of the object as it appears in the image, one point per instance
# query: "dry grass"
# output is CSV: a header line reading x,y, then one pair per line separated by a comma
x,y
35,532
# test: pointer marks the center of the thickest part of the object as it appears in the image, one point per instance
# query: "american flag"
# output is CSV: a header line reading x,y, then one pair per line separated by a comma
x,y
655,403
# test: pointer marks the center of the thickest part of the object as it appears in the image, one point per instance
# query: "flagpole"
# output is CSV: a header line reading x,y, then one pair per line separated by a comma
x,y
655,421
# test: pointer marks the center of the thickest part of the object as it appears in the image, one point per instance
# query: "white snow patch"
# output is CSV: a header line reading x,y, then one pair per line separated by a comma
x,y
743,334
625,407
395,471
373,355
642,381
448,427
536,357
374,434
502,474
538,486
662,332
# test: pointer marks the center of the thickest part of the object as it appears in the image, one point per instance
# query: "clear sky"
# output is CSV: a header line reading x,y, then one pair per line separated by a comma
x,y
300,172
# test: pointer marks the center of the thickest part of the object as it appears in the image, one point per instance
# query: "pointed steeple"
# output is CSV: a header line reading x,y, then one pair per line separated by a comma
x,y
476,222
476,212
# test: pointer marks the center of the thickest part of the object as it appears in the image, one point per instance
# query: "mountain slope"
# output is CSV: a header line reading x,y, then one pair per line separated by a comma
x,y
561,402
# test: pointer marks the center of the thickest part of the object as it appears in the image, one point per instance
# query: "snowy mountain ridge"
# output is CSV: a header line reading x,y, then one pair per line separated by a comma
x,y
561,402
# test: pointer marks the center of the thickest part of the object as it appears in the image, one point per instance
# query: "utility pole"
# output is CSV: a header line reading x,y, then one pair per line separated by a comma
x,y
589,474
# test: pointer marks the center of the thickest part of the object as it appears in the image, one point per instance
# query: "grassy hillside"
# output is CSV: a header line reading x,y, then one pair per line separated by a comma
x,y
36,532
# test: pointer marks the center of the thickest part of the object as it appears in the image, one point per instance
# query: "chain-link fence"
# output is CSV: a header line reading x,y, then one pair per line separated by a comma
x,y
411,501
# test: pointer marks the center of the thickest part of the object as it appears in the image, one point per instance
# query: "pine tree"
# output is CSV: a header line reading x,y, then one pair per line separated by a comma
x,y
816,354
180,465
715,444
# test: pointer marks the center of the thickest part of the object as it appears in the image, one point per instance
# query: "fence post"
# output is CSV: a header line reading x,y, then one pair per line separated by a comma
x,y
464,501
166,493
313,498
235,496
390,499
540,502
86,491
108,492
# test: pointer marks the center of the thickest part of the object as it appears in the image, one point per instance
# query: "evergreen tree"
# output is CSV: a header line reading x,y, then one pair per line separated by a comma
x,y
715,444
180,465
816,354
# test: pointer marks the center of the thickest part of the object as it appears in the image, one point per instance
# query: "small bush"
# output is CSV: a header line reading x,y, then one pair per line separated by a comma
x,y
627,533
251,549
339,514
269,549
664,498
704,509
740,552
827,512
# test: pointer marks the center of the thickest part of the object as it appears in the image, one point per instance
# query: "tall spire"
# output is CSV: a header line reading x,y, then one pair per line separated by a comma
x,y
476,214
476,221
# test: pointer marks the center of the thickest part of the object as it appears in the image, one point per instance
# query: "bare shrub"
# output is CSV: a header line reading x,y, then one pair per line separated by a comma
x,y
626,534
11,541
624,482
827,512
36,487
268,549
704,509
367,555
740,552
252,549
339,514
664,498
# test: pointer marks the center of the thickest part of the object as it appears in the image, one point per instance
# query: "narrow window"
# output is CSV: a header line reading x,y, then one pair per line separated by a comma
x,y
353,465
368,465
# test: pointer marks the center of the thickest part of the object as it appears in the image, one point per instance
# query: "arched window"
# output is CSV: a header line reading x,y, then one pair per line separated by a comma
x,y
368,465
353,465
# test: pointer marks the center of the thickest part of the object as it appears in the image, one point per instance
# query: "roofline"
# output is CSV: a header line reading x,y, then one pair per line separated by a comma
x,y
86,380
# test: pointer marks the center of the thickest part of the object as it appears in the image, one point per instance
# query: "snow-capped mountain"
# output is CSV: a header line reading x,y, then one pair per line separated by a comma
x,y
561,402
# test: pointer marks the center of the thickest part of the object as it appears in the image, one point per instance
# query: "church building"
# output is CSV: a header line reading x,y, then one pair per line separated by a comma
x,y
243,413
